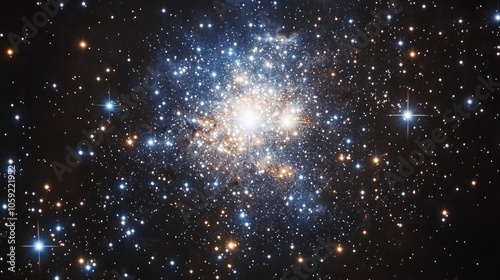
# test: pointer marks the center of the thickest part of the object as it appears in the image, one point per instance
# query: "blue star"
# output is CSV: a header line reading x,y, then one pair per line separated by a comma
x,y
38,246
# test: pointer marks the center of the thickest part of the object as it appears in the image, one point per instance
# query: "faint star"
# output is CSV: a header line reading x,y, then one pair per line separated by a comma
x,y
123,275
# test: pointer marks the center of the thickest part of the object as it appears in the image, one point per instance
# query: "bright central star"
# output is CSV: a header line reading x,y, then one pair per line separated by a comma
x,y
38,246
407,115
248,118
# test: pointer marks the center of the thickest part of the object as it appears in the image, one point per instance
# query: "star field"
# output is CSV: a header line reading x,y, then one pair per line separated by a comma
x,y
249,140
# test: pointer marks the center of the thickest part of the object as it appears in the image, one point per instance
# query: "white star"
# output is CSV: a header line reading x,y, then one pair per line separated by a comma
x,y
407,114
